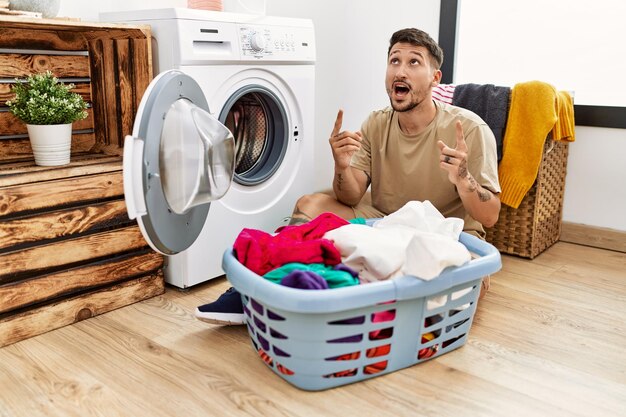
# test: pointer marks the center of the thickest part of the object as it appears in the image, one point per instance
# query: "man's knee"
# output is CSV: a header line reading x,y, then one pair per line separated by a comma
x,y
308,207
312,202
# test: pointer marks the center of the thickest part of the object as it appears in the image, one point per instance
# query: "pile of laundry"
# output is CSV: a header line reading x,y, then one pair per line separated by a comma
x,y
330,252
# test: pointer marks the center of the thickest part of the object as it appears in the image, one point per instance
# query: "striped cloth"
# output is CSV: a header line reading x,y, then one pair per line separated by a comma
x,y
443,93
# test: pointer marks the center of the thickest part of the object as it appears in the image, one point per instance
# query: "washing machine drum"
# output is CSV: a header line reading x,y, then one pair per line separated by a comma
x,y
178,159
259,124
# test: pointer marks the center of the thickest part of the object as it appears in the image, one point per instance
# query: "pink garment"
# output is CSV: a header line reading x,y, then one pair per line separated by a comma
x,y
382,316
386,315
261,252
443,92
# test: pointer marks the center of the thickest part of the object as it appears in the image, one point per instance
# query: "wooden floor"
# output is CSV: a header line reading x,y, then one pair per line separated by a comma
x,y
548,340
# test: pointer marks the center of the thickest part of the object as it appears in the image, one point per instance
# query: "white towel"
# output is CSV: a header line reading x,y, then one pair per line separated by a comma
x,y
422,217
415,240
376,254
429,253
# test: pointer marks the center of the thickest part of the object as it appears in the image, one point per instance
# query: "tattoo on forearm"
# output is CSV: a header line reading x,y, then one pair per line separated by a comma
x,y
483,195
339,181
299,217
473,184
463,169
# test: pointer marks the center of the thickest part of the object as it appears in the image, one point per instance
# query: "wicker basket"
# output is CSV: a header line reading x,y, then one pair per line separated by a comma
x,y
536,224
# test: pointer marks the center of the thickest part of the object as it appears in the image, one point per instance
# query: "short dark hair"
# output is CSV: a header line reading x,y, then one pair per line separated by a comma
x,y
418,37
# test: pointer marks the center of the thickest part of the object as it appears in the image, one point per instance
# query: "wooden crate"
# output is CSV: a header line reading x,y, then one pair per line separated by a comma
x,y
67,248
535,225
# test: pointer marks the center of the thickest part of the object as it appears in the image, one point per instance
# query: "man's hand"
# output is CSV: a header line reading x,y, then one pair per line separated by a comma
x,y
455,160
343,144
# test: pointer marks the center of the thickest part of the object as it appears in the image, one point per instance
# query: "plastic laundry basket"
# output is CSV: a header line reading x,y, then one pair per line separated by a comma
x,y
321,339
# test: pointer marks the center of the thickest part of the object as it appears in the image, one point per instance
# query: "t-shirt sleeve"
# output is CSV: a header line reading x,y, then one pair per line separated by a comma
x,y
362,159
483,157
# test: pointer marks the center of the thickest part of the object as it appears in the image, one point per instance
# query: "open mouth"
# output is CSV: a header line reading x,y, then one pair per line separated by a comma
x,y
401,89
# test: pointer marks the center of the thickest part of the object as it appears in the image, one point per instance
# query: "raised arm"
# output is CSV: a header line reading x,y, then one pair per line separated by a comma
x,y
349,183
480,203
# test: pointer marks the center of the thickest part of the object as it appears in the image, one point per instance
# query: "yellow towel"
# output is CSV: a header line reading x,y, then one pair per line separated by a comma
x,y
564,129
532,115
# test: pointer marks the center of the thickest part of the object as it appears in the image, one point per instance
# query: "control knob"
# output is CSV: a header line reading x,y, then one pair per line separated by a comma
x,y
257,42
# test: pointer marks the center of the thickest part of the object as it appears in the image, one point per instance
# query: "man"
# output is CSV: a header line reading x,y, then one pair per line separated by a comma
x,y
416,149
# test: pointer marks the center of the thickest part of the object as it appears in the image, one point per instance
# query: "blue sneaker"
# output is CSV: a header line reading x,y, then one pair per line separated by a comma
x,y
226,310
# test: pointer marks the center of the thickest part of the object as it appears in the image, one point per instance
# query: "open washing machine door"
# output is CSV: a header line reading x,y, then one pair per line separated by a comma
x,y
178,159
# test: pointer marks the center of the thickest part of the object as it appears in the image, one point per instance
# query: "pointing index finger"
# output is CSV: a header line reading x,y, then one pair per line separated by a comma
x,y
460,137
338,123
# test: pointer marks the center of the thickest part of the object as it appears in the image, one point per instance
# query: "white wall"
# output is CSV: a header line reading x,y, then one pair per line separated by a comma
x,y
595,187
85,10
89,10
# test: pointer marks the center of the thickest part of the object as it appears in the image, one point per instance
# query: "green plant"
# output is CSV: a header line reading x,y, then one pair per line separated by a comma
x,y
43,100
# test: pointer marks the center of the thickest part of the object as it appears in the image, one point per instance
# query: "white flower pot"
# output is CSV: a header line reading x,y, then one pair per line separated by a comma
x,y
51,143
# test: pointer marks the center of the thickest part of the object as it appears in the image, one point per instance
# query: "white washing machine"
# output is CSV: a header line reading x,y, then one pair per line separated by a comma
x,y
258,76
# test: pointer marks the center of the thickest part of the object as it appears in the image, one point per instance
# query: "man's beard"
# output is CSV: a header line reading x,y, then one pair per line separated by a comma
x,y
404,107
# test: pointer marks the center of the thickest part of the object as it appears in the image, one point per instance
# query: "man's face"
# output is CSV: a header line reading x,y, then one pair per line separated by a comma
x,y
410,76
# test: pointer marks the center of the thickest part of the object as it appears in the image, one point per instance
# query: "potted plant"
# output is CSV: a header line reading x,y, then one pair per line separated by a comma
x,y
48,108
48,8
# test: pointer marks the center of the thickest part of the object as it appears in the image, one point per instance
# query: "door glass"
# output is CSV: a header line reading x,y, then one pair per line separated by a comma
x,y
196,157
248,122
258,123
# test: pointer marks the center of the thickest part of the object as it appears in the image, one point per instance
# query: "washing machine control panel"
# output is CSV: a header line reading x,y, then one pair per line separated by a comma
x,y
275,43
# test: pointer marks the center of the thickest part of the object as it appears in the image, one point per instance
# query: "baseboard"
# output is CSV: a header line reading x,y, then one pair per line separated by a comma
x,y
598,237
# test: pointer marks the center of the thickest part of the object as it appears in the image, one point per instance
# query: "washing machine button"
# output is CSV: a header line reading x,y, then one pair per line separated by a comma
x,y
257,42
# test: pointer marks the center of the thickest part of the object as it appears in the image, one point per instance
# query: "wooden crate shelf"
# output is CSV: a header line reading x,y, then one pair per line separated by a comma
x,y
68,250
69,310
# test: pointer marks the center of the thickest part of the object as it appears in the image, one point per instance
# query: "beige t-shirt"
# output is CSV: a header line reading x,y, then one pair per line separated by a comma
x,y
403,167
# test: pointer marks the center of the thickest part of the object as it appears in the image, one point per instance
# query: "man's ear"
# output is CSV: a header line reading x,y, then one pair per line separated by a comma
x,y
436,78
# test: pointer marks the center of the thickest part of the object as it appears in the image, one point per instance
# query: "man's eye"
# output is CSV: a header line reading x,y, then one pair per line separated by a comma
x,y
414,62
393,61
